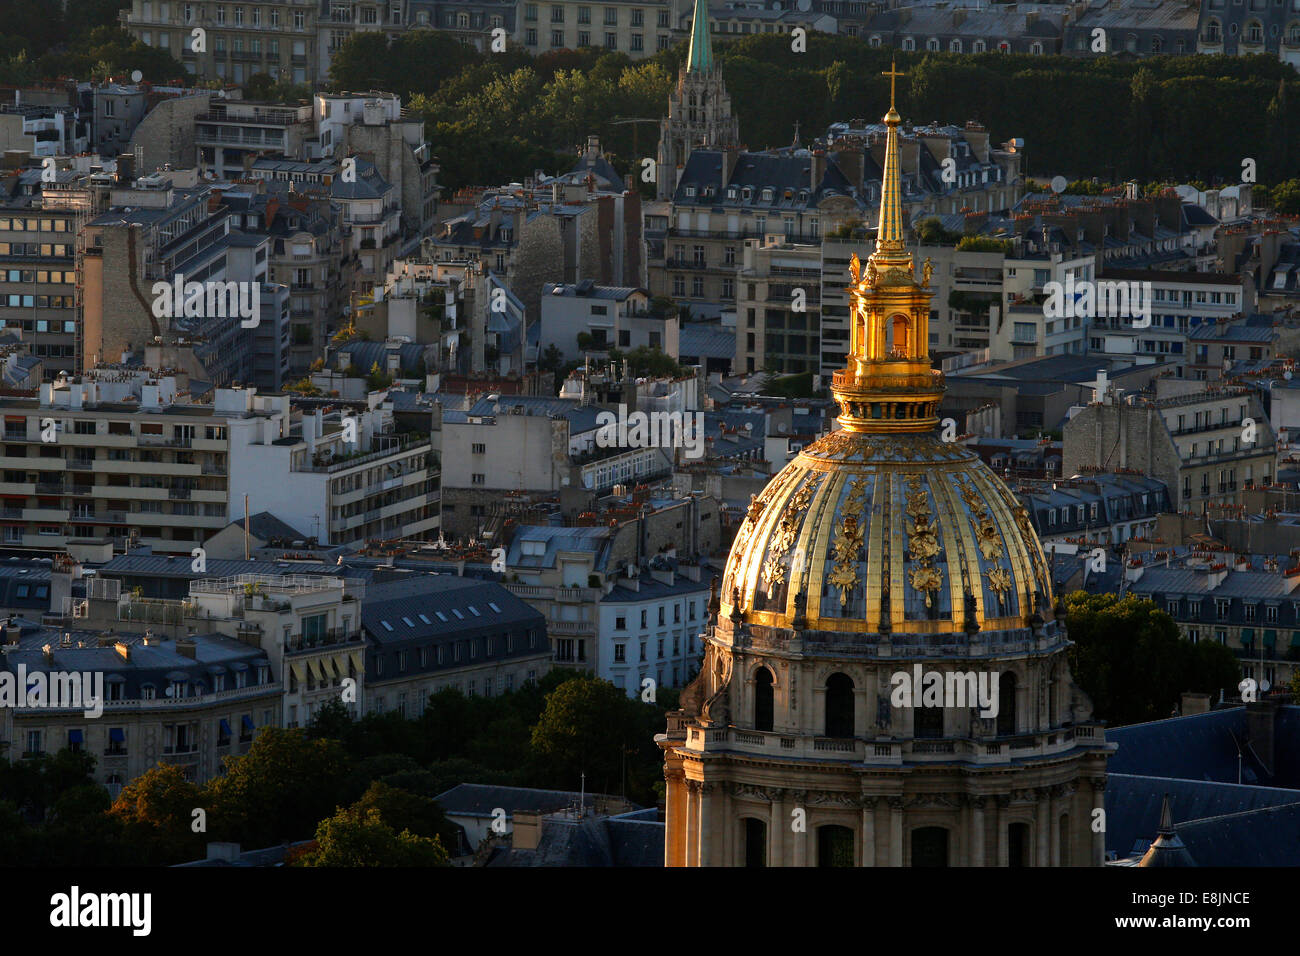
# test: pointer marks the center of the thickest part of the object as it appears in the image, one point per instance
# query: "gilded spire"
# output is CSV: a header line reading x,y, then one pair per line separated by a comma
x,y
889,236
700,59
889,385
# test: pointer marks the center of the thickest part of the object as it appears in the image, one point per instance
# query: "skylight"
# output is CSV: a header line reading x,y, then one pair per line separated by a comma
x,y
387,626
408,622
493,606
459,616
442,617
425,619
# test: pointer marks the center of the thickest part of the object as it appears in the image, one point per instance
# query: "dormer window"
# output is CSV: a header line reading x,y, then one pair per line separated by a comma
x,y
768,193
748,194
690,192
731,192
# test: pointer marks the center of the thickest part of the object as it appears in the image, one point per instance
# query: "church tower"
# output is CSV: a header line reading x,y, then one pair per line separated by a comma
x,y
699,110
885,678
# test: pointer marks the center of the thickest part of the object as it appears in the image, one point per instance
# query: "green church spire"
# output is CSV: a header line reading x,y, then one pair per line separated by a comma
x,y
701,55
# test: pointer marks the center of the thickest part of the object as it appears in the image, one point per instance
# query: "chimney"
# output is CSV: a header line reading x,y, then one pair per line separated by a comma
x,y
730,154
1261,717
818,168
1193,703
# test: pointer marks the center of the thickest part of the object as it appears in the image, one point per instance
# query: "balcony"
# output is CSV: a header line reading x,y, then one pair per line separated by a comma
x,y
179,494
160,441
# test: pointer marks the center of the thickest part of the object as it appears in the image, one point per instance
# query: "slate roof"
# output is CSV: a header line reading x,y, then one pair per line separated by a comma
x,y
364,355
706,340
480,799
594,541
439,605
266,526
156,665
367,185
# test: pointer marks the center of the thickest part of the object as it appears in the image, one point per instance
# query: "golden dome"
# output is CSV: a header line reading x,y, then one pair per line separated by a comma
x,y
886,533
881,527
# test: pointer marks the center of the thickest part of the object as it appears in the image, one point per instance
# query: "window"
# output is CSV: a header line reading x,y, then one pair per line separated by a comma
x,y
764,699
620,653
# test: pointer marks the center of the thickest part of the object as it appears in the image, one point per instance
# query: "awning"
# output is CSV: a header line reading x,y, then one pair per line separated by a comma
x,y
225,727
358,662
323,668
1295,638
1247,635
247,722
296,668
1270,638
117,735
338,671
75,736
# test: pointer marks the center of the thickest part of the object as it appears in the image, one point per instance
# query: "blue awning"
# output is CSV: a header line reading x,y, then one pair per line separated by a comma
x,y
225,727
117,735
248,722
75,736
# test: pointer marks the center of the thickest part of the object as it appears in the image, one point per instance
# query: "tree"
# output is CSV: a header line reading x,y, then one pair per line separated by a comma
x,y
1129,658
407,811
156,812
583,730
354,839
279,789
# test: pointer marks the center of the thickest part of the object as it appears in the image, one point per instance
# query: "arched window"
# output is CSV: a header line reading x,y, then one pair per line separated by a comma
x,y
932,44
1007,705
954,46
1036,48
755,842
977,46
839,706
874,41
1156,45
1254,32
909,43
834,846
763,699
1293,33
898,335
930,846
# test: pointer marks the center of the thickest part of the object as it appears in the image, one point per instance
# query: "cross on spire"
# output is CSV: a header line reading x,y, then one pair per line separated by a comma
x,y
893,73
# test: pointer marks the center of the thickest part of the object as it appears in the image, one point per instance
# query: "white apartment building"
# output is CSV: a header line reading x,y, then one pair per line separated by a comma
x,y
649,626
343,478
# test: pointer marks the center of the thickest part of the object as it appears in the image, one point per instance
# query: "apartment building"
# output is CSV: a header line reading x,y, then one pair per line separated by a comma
x,y
1099,509
155,232
1253,27
472,22
1246,603
39,227
343,476
635,27
43,130
427,633
280,38
1012,28
1026,327
1206,446
233,133
1197,323
778,307
609,316
649,626
189,702
1136,28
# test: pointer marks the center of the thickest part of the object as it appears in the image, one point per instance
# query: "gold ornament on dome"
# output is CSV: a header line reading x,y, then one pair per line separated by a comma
x,y
786,533
922,538
848,542
1000,583
855,269
986,530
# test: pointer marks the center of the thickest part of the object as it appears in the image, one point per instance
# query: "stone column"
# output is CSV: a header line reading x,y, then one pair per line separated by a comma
x,y
895,831
691,838
708,839
868,831
1058,798
1043,815
1098,855
977,831
678,823
799,801
1002,802
776,830
726,826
